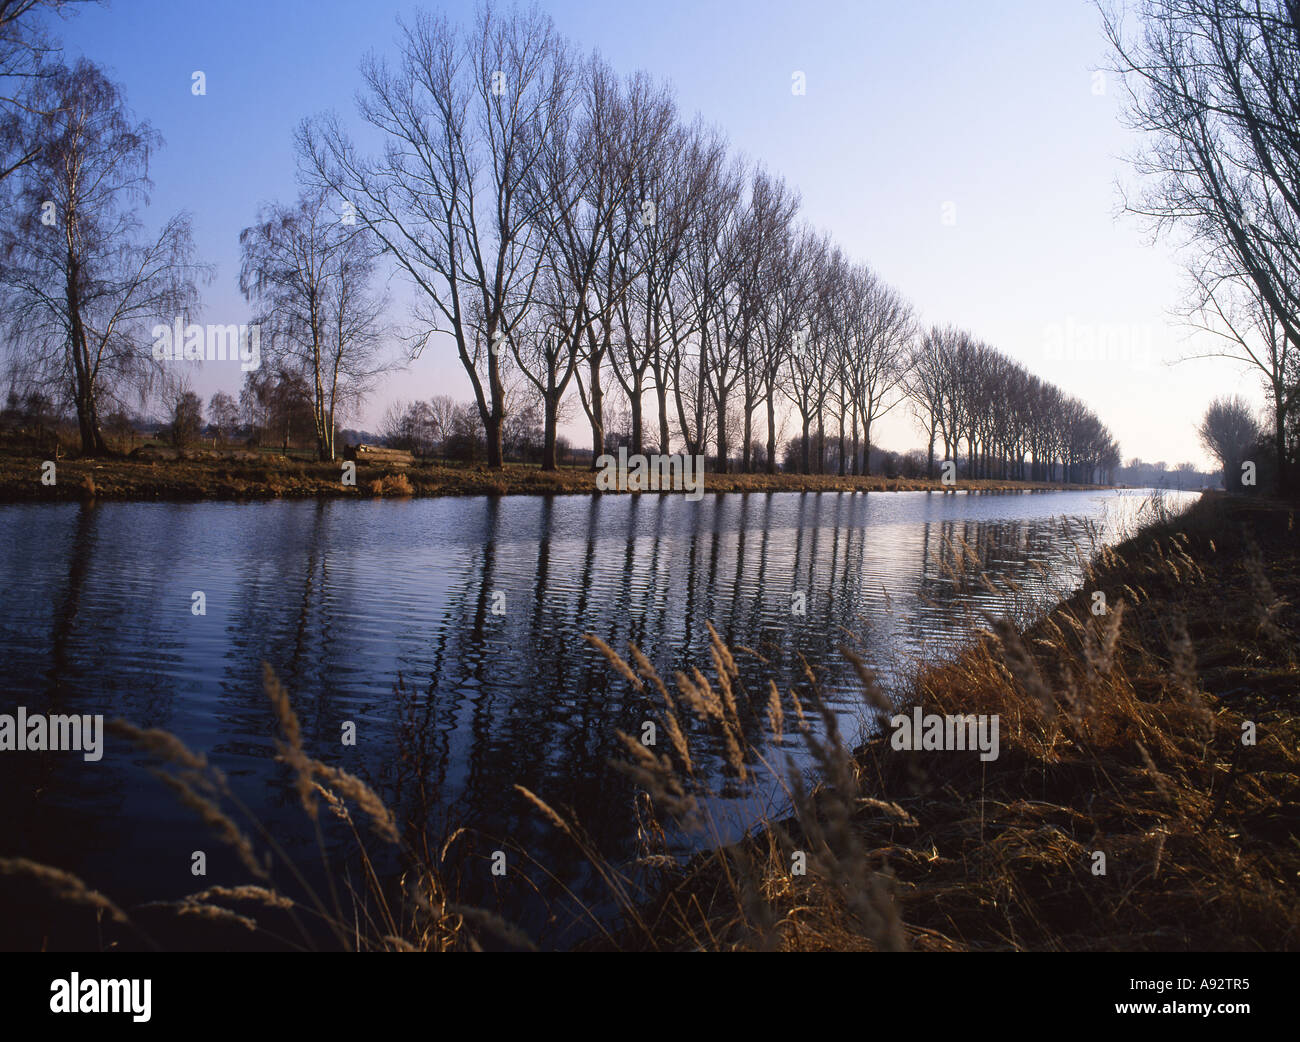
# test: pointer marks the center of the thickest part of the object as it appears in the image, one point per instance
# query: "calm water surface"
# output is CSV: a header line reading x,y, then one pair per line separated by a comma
x,y
478,606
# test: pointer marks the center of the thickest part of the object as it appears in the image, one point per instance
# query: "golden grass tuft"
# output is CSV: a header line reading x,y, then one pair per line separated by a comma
x,y
391,485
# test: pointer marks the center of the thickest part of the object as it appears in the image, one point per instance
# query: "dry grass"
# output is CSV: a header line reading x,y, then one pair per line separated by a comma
x,y
411,913
1112,742
391,485
245,475
64,886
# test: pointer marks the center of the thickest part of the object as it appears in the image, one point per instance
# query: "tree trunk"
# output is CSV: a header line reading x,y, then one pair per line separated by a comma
x,y
843,447
638,442
551,408
771,433
1279,442
92,440
661,395
493,421
722,439
746,466
492,428
597,416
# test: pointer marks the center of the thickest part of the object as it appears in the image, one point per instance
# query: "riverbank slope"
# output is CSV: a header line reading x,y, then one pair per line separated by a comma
x,y
269,477
1145,795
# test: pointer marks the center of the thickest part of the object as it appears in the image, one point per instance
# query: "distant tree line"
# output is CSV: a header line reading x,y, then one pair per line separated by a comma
x,y
568,230
1184,477
443,428
1011,423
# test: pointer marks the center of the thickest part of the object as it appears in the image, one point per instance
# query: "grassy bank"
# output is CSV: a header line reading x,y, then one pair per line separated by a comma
x,y
268,477
1121,735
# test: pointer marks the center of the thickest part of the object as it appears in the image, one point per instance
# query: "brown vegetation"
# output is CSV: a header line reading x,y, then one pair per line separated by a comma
x,y
1121,734
246,475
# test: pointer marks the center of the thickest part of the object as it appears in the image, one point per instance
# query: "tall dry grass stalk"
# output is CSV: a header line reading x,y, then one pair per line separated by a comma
x,y
761,891
413,913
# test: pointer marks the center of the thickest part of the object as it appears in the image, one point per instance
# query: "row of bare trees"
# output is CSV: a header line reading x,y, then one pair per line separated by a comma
x,y
1012,424
566,227
441,426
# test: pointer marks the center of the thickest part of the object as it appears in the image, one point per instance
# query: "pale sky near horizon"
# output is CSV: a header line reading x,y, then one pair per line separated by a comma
x,y
989,113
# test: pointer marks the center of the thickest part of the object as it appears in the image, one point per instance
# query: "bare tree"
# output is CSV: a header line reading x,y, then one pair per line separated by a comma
x,y
1215,84
924,387
465,117
629,141
1228,430
25,50
879,331
83,284
784,286
652,210
223,415
585,175
1247,330
723,312
182,407
706,259
309,271
696,150
811,358
764,326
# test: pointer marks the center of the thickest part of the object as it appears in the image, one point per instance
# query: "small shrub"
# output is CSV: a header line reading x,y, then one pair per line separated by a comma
x,y
397,485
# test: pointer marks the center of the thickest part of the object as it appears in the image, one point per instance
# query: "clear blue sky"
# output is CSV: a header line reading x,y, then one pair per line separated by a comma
x,y
992,107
